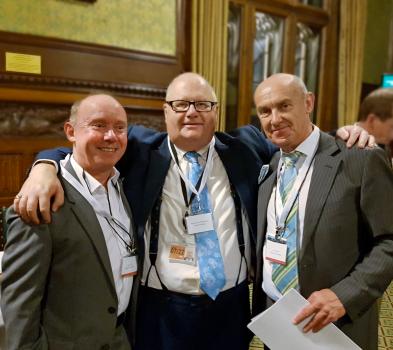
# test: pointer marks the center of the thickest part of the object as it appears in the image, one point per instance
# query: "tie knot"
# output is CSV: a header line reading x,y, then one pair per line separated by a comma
x,y
290,159
192,157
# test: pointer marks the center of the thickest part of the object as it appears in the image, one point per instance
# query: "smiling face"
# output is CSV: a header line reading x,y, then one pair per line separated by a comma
x,y
190,130
284,108
98,134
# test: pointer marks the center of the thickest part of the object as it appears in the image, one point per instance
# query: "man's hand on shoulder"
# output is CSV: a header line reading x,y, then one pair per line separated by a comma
x,y
325,307
355,134
41,188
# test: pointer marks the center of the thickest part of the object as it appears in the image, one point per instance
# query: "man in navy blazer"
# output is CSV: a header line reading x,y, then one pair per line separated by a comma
x,y
173,312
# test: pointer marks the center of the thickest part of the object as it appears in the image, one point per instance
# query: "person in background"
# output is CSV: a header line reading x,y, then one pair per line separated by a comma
x,y
376,116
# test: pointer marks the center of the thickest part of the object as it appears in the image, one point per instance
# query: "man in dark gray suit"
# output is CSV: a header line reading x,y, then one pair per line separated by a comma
x,y
326,228
67,285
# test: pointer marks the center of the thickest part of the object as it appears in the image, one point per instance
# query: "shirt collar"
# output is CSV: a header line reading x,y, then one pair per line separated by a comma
x,y
93,183
308,146
202,152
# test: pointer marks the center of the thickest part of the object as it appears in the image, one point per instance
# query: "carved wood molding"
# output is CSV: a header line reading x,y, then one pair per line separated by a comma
x,y
135,90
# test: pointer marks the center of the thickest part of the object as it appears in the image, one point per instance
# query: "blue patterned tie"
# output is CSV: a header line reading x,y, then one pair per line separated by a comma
x,y
285,277
211,265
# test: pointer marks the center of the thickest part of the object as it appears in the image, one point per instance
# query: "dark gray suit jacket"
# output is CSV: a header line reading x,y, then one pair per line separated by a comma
x,y
348,233
58,290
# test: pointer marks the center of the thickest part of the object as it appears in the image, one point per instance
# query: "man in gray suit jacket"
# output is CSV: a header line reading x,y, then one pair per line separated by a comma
x,y
67,284
325,223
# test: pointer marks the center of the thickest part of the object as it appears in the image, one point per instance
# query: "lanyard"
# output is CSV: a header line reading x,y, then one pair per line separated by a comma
x,y
155,228
293,195
96,205
185,182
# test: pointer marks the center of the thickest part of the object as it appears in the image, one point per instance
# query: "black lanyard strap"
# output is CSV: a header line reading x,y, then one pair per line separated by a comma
x,y
239,229
154,232
155,227
130,247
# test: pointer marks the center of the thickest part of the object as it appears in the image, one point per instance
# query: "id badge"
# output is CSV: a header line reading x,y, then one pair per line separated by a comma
x,y
129,266
183,254
276,250
199,223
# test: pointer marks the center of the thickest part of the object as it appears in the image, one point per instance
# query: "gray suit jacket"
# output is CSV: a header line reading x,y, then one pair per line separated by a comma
x,y
348,233
58,290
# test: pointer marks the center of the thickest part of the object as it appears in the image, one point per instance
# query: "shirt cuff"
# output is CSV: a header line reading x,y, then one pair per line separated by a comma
x,y
47,161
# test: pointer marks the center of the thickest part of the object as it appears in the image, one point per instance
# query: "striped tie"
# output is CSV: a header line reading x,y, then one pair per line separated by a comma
x,y
285,277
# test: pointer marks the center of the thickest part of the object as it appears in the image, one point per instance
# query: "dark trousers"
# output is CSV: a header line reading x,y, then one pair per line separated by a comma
x,y
175,321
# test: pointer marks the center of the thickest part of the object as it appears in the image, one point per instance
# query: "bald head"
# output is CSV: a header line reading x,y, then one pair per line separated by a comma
x,y
92,101
284,107
187,80
285,80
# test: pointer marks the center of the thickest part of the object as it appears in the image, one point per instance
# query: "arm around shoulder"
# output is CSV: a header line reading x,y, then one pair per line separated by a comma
x,y
256,141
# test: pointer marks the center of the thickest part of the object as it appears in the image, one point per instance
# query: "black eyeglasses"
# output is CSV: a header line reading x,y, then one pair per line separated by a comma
x,y
183,106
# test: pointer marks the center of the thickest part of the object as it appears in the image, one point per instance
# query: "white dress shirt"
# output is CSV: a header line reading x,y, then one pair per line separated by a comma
x,y
112,201
308,147
180,277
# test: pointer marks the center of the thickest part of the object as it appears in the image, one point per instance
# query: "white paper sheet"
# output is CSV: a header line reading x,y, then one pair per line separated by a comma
x,y
275,328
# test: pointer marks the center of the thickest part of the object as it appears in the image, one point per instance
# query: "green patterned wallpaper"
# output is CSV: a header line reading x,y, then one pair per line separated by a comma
x,y
147,25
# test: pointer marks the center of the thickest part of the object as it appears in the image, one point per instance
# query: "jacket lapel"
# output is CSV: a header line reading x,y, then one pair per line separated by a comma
x,y
89,222
265,192
324,172
235,174
160,159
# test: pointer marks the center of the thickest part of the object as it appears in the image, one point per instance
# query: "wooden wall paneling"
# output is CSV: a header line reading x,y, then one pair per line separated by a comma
x,y
290,31
16,156
246,99
72,66
328,79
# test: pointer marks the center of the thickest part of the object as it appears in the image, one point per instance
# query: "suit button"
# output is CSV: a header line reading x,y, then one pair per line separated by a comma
x,y
111,310
105,347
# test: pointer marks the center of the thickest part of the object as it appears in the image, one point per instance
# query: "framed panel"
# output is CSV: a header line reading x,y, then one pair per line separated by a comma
x,y
317,64
73,66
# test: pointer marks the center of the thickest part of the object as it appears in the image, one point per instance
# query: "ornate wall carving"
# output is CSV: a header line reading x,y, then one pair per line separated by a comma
x,y
45,120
